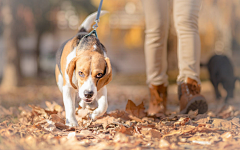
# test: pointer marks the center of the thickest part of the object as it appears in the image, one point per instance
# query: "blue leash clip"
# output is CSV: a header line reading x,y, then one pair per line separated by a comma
x,y
96,21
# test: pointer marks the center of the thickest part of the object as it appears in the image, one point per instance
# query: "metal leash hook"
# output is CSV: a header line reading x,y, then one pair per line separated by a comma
x,y
96,24
96,21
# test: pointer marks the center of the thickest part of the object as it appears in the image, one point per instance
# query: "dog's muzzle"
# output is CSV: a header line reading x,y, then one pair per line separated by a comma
x,y
88,96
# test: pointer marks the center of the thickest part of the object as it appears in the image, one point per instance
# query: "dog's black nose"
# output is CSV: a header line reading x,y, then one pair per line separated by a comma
x,y
88,94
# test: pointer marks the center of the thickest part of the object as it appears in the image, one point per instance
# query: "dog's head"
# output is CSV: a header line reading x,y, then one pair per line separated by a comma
x,y
93,69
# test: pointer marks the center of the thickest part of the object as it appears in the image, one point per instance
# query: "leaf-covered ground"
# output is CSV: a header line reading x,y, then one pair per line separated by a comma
x,y
34,118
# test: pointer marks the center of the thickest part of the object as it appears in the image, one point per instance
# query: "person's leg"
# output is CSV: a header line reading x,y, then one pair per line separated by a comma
x,y
189,49
189,44
156,33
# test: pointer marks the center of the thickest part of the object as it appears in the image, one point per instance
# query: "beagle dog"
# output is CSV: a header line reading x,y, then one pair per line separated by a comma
x,y
82,67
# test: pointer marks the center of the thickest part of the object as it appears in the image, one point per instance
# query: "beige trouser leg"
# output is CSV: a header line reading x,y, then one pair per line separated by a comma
x,y
156,34
186,24
189,45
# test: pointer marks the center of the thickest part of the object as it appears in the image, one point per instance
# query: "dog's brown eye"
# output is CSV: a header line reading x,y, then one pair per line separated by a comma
x,y
99,75
81,74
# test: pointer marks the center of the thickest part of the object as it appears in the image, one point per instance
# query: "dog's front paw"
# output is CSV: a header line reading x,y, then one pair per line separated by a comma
x,y
71,122
95,115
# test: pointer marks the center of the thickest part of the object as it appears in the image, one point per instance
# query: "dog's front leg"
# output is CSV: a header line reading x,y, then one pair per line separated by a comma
x,y
102,103
82,104
69,104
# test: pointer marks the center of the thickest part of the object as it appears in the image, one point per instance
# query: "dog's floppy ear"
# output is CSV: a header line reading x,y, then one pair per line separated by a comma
x,y
107,76
70,70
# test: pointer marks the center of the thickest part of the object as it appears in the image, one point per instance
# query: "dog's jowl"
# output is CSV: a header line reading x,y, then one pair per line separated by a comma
x,y
83,69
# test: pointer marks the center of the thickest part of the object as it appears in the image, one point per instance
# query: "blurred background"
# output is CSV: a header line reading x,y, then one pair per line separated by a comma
x,y
31,31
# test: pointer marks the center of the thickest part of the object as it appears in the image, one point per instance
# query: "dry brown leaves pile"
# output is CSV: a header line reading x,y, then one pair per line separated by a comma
x,y
33,127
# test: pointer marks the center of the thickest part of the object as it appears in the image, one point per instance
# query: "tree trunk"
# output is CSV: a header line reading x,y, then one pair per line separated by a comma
x,y
11,75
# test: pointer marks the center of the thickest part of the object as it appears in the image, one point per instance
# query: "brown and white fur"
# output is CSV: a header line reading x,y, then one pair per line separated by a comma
x,y
84,68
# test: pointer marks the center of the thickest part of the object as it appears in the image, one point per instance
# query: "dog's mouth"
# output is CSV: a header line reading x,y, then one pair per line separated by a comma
x,y
87,100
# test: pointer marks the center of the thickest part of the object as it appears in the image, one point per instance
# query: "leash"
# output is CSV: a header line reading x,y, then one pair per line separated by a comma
x,y
96,21
98,14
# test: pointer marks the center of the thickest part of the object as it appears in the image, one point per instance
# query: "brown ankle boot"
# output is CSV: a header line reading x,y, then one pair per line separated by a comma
x,y
158,99
190,97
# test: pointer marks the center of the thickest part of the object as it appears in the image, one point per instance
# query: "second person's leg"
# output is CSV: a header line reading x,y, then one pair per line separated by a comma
x,y
189,51
156,33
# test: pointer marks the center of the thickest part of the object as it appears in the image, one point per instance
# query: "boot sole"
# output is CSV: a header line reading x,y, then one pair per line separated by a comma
x,y
196,103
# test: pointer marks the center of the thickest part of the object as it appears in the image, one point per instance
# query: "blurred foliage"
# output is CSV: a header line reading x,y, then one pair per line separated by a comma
x,y
40,16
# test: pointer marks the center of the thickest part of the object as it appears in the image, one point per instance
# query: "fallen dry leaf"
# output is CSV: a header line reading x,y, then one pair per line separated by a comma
x,y
38,111
120,114
105,121
186,129
57,119
137,111
61,126
125,130
135,118
226,111
149,132
51,112
120,137
182,121
82,113
202,142
226,136
235,121
164,143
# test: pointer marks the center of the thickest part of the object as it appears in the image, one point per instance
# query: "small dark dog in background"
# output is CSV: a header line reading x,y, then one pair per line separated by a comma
x,y
221,71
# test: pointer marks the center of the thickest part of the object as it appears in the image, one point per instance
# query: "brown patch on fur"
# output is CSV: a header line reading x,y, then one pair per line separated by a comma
x,y
70,69
57,72
79,63
66,51
107,75
100,64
